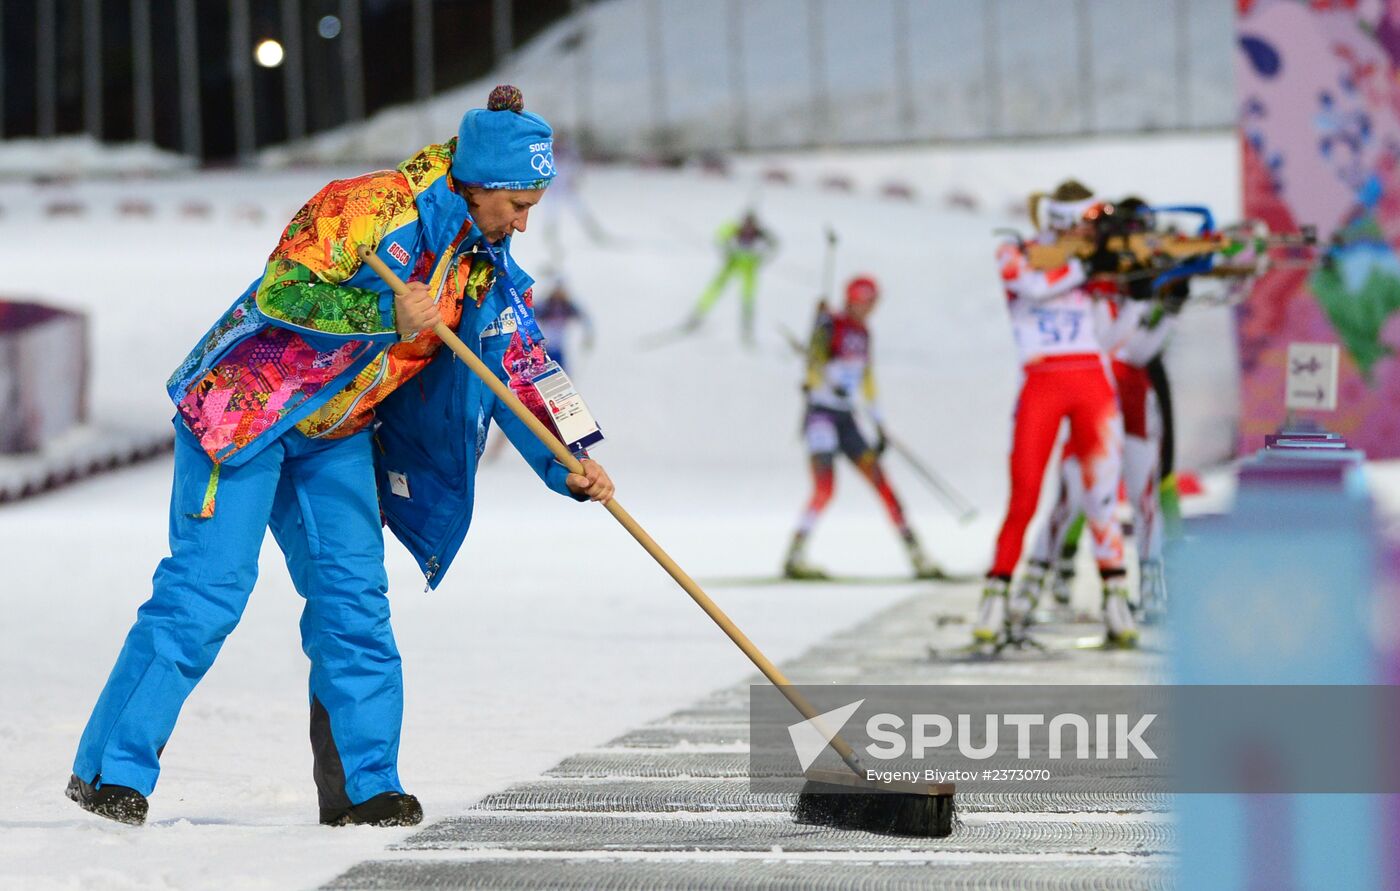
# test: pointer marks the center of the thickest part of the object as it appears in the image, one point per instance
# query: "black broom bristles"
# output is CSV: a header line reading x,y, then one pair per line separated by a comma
x,y
833,798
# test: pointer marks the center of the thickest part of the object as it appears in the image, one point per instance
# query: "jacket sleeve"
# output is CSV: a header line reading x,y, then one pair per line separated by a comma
x,y
535,453
818,352
1023,281
868,389
303,286
725,237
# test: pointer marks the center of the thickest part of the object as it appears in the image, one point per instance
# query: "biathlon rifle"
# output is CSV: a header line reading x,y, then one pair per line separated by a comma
x,y
1139,248
1129,242
1128,230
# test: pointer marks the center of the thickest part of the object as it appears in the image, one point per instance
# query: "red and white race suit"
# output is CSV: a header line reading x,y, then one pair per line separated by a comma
x,y
1138,334
1057,321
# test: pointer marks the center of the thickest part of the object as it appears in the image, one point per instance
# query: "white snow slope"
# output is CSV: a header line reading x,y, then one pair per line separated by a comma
x,y
553,632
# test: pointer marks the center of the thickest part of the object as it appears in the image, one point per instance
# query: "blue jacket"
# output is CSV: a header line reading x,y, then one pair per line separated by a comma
x,y
431,435
311,329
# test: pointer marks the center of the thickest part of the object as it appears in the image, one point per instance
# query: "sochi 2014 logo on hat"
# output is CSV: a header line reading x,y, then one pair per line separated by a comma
x,y
542,157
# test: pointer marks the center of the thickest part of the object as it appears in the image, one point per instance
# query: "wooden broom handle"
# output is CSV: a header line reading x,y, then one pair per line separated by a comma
x,y
565,457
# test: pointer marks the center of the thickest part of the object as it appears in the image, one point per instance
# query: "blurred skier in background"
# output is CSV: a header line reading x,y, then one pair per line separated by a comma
x,y
746,246
558,316
1056,316
839,364
565,194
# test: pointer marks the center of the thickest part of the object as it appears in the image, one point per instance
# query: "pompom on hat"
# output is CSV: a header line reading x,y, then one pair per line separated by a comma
x,y
503,146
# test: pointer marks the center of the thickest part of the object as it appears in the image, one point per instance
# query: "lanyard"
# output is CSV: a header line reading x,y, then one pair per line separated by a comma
x,y
524,316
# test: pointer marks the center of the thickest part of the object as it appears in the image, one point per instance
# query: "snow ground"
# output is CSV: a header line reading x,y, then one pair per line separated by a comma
x,y
507,669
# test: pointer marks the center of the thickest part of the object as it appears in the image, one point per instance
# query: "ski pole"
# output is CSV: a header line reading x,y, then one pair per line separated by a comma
x,y
829,264
951,497
792,339
565,457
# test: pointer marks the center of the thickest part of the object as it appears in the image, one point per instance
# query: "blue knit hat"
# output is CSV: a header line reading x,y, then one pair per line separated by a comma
x,y
503,146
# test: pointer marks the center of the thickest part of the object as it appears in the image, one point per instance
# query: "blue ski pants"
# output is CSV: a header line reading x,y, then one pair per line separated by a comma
x,y
318,496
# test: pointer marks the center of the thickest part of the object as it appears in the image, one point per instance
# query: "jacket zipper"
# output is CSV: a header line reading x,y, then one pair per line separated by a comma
x,y
378,379
433,565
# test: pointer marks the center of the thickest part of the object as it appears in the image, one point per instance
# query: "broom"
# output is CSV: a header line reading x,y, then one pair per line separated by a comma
x,y
830,798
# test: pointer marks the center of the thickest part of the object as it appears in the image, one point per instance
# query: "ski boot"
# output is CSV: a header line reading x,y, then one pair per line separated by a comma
x,y
1022,608
120,803
796,567
802,571
384,809
1122,631
991,613
1021,605
1062,590
1152,592
924,568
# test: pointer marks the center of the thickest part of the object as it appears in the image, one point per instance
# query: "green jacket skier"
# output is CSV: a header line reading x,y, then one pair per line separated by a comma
x,y
746,246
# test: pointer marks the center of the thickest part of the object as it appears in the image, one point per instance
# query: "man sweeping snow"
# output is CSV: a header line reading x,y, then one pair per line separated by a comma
x,y
292,414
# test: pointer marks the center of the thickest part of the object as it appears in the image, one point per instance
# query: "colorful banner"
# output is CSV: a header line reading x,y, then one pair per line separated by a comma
x,y
1319,88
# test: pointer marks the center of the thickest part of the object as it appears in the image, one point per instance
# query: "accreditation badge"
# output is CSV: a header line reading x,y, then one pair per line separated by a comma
x,y
572,419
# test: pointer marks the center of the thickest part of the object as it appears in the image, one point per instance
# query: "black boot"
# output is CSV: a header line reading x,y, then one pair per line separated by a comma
x,y
120,803
384,809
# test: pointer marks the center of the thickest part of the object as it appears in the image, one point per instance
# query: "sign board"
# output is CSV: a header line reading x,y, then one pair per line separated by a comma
x,y
1312,377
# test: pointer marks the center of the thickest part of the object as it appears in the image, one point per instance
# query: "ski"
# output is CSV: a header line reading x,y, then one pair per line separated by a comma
x,y
753,581
1023,649
1099,642
667,337
1027,647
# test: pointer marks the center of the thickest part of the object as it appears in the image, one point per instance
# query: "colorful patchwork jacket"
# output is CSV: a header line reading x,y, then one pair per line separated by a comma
x,y
307,345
